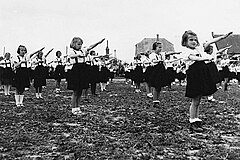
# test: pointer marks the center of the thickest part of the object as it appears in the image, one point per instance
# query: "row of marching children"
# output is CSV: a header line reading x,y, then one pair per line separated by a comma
x,y
82,69
155,69
202,74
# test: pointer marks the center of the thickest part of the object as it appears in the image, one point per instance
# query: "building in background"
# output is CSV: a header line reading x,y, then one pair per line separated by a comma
x,y
233,40
146,45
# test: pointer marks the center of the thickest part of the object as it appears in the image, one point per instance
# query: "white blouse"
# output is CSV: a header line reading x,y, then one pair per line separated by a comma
x,y
196,52
26,58
6,63
74,60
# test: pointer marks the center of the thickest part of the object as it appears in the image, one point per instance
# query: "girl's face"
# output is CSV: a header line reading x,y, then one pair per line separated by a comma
x,y
192,42
210,50
59,54
40,54
7,56
22,51
78,45
159,48
225,56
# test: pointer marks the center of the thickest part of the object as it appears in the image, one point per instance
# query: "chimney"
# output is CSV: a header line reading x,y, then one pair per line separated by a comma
x,y
157,37
107,49
115,53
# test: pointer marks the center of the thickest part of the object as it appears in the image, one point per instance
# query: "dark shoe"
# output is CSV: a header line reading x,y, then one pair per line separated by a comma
x,y
86,100
156,103
196,127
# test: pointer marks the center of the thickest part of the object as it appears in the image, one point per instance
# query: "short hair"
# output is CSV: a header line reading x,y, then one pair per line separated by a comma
x,y
74,41
7,53
39,52
186,35
207,49
58,53
92,52
155,44
21,46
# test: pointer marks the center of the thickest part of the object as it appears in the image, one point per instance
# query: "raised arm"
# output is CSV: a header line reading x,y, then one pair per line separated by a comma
x,y
172,53
94,45
216,39
220,51
32,54
49,52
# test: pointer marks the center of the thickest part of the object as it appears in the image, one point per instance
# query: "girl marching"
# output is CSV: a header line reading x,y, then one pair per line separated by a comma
x,y
158,77
138,72
7,73
22,75
59,72
147,71
40,72
199,80
76,75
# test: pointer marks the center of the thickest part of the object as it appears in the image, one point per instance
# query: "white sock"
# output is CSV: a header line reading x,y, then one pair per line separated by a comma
x,y
8,90
198,120
21,99
101,86
37,95
17,99
210,97
5,90
192,120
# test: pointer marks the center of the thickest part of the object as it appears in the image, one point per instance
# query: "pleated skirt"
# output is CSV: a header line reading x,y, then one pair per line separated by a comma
x,y
199,81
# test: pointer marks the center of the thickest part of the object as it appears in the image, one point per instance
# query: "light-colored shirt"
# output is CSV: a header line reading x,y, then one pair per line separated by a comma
x,y
159,57
37,62
186,52
74,60
26,58
6,63
225,62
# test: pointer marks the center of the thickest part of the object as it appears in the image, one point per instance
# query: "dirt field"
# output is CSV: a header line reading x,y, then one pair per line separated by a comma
x,y
119,124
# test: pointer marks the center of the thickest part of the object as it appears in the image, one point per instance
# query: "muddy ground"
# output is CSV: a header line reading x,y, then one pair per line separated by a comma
x,y
119,124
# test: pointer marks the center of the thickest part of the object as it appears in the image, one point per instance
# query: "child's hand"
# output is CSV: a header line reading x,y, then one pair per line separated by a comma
x,y
228,34
102,40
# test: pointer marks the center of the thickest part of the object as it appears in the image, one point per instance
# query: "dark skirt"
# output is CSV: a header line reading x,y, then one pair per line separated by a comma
x,y
138,74
22,78
180,76
111,74
215,76
158,77
238,76
171,74
94,74
104,75
7,76
59,72
199,81
76,77
147,74
40,75
1,73
225,72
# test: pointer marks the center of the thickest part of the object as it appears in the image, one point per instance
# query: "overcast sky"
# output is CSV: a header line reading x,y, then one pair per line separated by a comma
x,y
53,23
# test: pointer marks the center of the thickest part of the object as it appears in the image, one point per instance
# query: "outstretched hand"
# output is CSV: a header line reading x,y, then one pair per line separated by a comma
x,y
41,49
102,40
228,34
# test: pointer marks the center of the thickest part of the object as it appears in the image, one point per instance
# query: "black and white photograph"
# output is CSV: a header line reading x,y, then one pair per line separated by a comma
x,y
119,80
